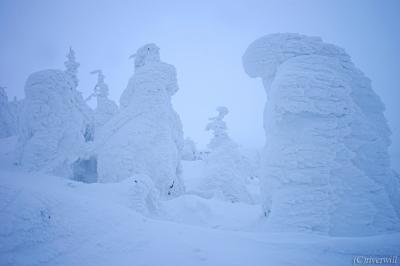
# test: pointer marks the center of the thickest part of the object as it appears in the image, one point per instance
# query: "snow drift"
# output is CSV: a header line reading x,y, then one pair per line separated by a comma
x,y
326,163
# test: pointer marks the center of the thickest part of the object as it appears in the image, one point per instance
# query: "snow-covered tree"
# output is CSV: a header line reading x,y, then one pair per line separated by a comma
x,y
326,165
146,136
72,67
224,177
7,125
54,120
189,151
105,108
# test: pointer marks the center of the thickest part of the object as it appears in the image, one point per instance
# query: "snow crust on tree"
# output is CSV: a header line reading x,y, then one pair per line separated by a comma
x,y
105,108
146,136
224,175
325,165
7,121
54,120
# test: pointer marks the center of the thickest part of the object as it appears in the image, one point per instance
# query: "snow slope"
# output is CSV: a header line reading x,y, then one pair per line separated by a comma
x,y
48,220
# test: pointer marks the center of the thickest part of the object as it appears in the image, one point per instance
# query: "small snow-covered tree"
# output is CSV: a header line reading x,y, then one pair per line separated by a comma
x,y
105,108
224,177
189,152
72,67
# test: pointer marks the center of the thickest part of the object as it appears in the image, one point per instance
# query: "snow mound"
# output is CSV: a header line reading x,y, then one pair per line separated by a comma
x,y
326,163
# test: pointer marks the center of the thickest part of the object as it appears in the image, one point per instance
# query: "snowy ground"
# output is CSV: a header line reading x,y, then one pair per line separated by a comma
x,y
47,220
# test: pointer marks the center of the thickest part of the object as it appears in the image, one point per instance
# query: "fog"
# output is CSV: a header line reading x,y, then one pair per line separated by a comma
x,y
205,42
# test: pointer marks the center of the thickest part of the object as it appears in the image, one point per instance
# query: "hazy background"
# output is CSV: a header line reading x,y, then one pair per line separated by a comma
x,y
205,41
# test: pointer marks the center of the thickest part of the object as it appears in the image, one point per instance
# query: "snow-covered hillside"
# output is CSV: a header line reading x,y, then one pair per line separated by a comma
x,y
49,220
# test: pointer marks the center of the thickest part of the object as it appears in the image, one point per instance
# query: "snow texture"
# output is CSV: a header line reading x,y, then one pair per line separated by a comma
x,y
54,120
47,220
145,137
224,177
326,165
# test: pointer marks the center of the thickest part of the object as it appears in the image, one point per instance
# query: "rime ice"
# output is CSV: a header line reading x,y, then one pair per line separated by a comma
x,y
146,136
326,165
54,120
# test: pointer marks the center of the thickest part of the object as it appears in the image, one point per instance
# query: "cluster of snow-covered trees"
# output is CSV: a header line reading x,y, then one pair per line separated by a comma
x,y
325,166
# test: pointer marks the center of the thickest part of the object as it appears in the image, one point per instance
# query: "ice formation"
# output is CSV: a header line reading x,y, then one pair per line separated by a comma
x,y
54,120
224,177
7,124
105,108
145,137
326,163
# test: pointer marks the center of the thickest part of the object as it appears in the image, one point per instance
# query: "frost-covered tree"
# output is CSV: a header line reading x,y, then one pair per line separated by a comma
x,y
189,151
326,165
146,136
218,127
7,125
224,176
54,120
105,108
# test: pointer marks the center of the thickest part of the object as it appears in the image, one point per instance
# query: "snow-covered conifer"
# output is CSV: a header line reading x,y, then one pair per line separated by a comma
x,y
189,151
224,177
105,108
146,136
54,120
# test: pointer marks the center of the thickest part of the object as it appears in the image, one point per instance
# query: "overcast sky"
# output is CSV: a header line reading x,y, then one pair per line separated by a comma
x,y
205,41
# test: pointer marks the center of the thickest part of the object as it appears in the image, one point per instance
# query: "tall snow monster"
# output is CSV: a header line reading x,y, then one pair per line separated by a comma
x,y
325,165
145,137
54,120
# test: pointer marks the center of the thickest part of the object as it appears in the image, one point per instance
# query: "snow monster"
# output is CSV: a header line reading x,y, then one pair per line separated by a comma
x,y
145,137
326,165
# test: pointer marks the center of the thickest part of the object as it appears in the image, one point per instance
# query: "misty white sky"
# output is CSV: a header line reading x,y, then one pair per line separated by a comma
x,y
205,41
